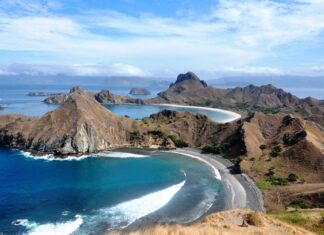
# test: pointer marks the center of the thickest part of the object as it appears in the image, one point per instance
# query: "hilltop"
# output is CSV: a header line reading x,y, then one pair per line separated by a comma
x,y
228,223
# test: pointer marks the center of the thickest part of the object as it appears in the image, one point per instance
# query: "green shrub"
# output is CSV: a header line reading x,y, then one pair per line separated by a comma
x,y
293,177
276,150
177,142
211,149
272,171
263,146
145,122
157,133
299,203
276,180
216,148
263,184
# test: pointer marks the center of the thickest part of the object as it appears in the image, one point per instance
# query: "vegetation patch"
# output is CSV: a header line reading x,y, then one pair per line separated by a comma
x,y
276,150
276,180
299,203
292,177
263,184
262,146
157,133
313,221
177,142
216,148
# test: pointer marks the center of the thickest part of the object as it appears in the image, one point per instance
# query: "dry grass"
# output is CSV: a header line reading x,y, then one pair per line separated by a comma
x,y
225,223
255,219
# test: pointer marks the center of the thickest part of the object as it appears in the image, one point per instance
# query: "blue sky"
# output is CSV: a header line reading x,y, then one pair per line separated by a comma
x,y
162,38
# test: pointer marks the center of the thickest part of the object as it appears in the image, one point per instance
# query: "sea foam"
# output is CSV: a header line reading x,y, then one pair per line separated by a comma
x,y
125,213
51,157
64,228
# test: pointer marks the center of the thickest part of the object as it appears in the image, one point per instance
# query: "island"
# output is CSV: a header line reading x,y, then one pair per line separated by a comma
x,y
42,93
278,141
139,91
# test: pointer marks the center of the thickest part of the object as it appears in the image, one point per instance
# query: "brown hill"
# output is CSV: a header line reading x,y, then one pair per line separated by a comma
x,y
79,125
227,223
266,99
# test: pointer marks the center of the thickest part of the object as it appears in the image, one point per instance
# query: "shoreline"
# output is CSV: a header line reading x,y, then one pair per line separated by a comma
x,y
233,116
244,192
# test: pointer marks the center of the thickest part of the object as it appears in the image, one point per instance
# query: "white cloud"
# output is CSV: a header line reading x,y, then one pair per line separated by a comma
x,y
233,35
74,70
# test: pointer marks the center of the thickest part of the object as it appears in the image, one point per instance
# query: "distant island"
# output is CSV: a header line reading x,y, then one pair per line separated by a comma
x,y
139,91
2,106
41,93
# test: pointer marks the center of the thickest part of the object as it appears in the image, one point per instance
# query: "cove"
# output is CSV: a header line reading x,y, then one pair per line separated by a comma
x,y
135,111
103,191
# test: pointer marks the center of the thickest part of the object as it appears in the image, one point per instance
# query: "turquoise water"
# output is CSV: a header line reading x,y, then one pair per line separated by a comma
x,y
102,192
140,111
18,101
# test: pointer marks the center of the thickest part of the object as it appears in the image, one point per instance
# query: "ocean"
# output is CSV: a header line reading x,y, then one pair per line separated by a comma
x,y
103,191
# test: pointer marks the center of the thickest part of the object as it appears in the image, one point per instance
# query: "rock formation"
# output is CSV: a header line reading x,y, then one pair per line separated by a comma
x,y
139,91
104,97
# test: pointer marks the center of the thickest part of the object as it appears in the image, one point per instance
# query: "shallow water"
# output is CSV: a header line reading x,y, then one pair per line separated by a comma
x,y
140,111
102,192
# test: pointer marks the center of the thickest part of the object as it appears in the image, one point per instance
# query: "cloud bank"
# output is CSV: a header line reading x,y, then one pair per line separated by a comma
x,y
250,36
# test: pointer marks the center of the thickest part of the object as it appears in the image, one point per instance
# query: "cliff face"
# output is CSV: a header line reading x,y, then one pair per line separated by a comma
x,y
79,125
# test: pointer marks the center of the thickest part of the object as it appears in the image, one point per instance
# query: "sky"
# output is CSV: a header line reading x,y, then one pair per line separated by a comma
x,y
161,38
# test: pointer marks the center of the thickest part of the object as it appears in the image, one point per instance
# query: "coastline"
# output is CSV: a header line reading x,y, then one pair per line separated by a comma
x,y
244,193
233,116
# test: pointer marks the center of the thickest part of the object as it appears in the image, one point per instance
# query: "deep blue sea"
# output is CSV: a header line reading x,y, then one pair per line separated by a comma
x,y
100,192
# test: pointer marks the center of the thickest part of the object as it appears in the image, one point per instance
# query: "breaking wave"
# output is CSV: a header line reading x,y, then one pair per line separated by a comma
x,y
51,157
64,228
125,213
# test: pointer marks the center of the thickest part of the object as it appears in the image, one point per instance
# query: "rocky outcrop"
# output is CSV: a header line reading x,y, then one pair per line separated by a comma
x,y
107,97
104,97
139,91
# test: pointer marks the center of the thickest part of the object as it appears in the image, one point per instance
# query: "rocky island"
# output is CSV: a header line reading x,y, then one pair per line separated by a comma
x,y
139,91
2,106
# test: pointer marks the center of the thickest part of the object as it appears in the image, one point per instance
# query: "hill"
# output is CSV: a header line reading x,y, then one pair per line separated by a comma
x,y
79,125
246,100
